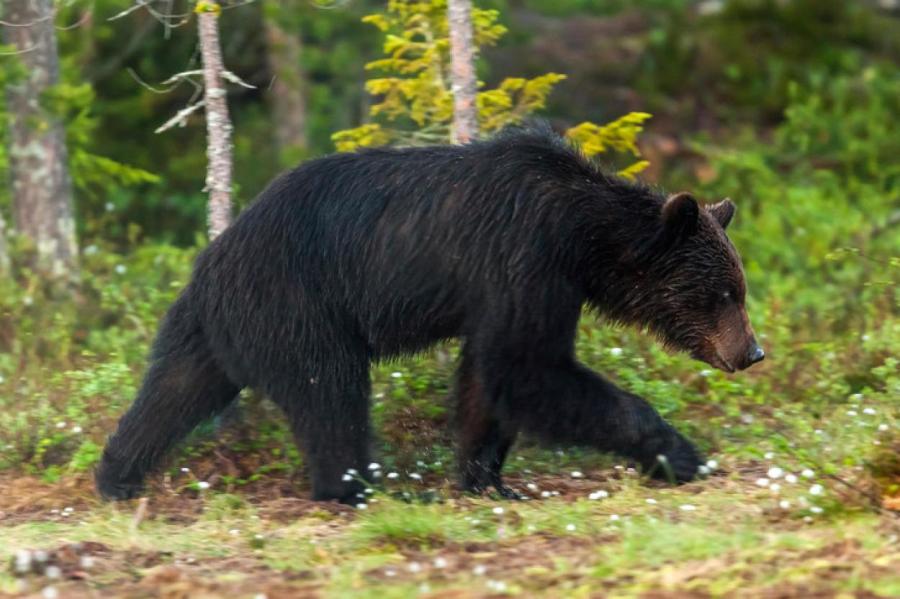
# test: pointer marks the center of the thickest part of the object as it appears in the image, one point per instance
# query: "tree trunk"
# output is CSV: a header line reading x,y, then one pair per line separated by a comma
x,y
286,94
218,123
42,189
464,83
4,250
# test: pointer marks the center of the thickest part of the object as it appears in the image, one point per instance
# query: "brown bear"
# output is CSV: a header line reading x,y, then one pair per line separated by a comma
x,y
359,257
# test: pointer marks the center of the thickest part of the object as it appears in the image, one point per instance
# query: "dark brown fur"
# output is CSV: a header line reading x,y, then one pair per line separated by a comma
x,y
361,257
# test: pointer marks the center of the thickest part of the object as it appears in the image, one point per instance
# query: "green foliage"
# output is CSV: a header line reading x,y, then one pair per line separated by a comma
x,y
93,175
824,185
415,101
745,54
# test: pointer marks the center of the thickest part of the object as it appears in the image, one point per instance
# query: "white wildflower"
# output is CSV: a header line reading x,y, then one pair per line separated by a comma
x,y
775,472
22,561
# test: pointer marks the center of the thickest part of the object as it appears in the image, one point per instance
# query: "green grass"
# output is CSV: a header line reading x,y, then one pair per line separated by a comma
x,y
733,540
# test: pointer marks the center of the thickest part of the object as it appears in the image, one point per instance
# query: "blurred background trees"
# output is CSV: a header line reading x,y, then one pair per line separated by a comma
x,y
709,68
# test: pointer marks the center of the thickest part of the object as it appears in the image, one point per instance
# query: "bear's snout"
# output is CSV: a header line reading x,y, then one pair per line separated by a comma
x,y
756,355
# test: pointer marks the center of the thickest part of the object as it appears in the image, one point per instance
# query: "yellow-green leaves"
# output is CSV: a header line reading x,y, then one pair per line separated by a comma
x,y
619,135
414,103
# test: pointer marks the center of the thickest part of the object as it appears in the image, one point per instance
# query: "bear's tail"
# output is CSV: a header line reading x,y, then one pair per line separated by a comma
x,y
183,387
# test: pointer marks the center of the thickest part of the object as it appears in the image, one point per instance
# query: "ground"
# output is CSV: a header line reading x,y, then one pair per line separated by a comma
x,y
586,533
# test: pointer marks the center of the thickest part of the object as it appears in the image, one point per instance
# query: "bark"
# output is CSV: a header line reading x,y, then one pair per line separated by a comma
x,y
4,250
218,123
286,94
464,83
42,189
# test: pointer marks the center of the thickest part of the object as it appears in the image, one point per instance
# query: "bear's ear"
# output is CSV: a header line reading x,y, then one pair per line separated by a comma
x,y
723,212
680,216
679,219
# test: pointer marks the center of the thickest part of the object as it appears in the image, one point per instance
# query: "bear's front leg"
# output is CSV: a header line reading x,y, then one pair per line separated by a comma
x,y
562,401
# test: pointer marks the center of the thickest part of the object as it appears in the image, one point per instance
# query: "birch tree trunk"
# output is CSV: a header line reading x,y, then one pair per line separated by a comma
x,y
464,83
218,123
42,189
286,94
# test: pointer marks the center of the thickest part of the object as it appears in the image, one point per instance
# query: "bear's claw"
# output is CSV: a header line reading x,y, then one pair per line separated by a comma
x,y
677,464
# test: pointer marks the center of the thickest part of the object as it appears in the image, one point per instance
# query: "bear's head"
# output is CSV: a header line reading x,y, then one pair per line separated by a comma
x,y
685,281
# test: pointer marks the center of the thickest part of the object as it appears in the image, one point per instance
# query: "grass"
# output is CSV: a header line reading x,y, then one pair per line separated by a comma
x,y
725,536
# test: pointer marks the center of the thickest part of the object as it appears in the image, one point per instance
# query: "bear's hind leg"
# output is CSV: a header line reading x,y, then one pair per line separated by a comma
x,y
182,388
329,416
484,440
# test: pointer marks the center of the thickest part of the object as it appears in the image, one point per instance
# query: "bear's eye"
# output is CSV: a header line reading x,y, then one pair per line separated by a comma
x,y
722,299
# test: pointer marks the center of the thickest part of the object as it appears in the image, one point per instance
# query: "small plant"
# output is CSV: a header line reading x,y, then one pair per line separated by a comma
x,y
414,103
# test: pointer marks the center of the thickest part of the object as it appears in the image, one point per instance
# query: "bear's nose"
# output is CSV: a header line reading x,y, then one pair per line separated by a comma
x,y
756,354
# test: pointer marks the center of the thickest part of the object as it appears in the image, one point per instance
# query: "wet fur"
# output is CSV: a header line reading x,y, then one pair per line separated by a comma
x,y
354,258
